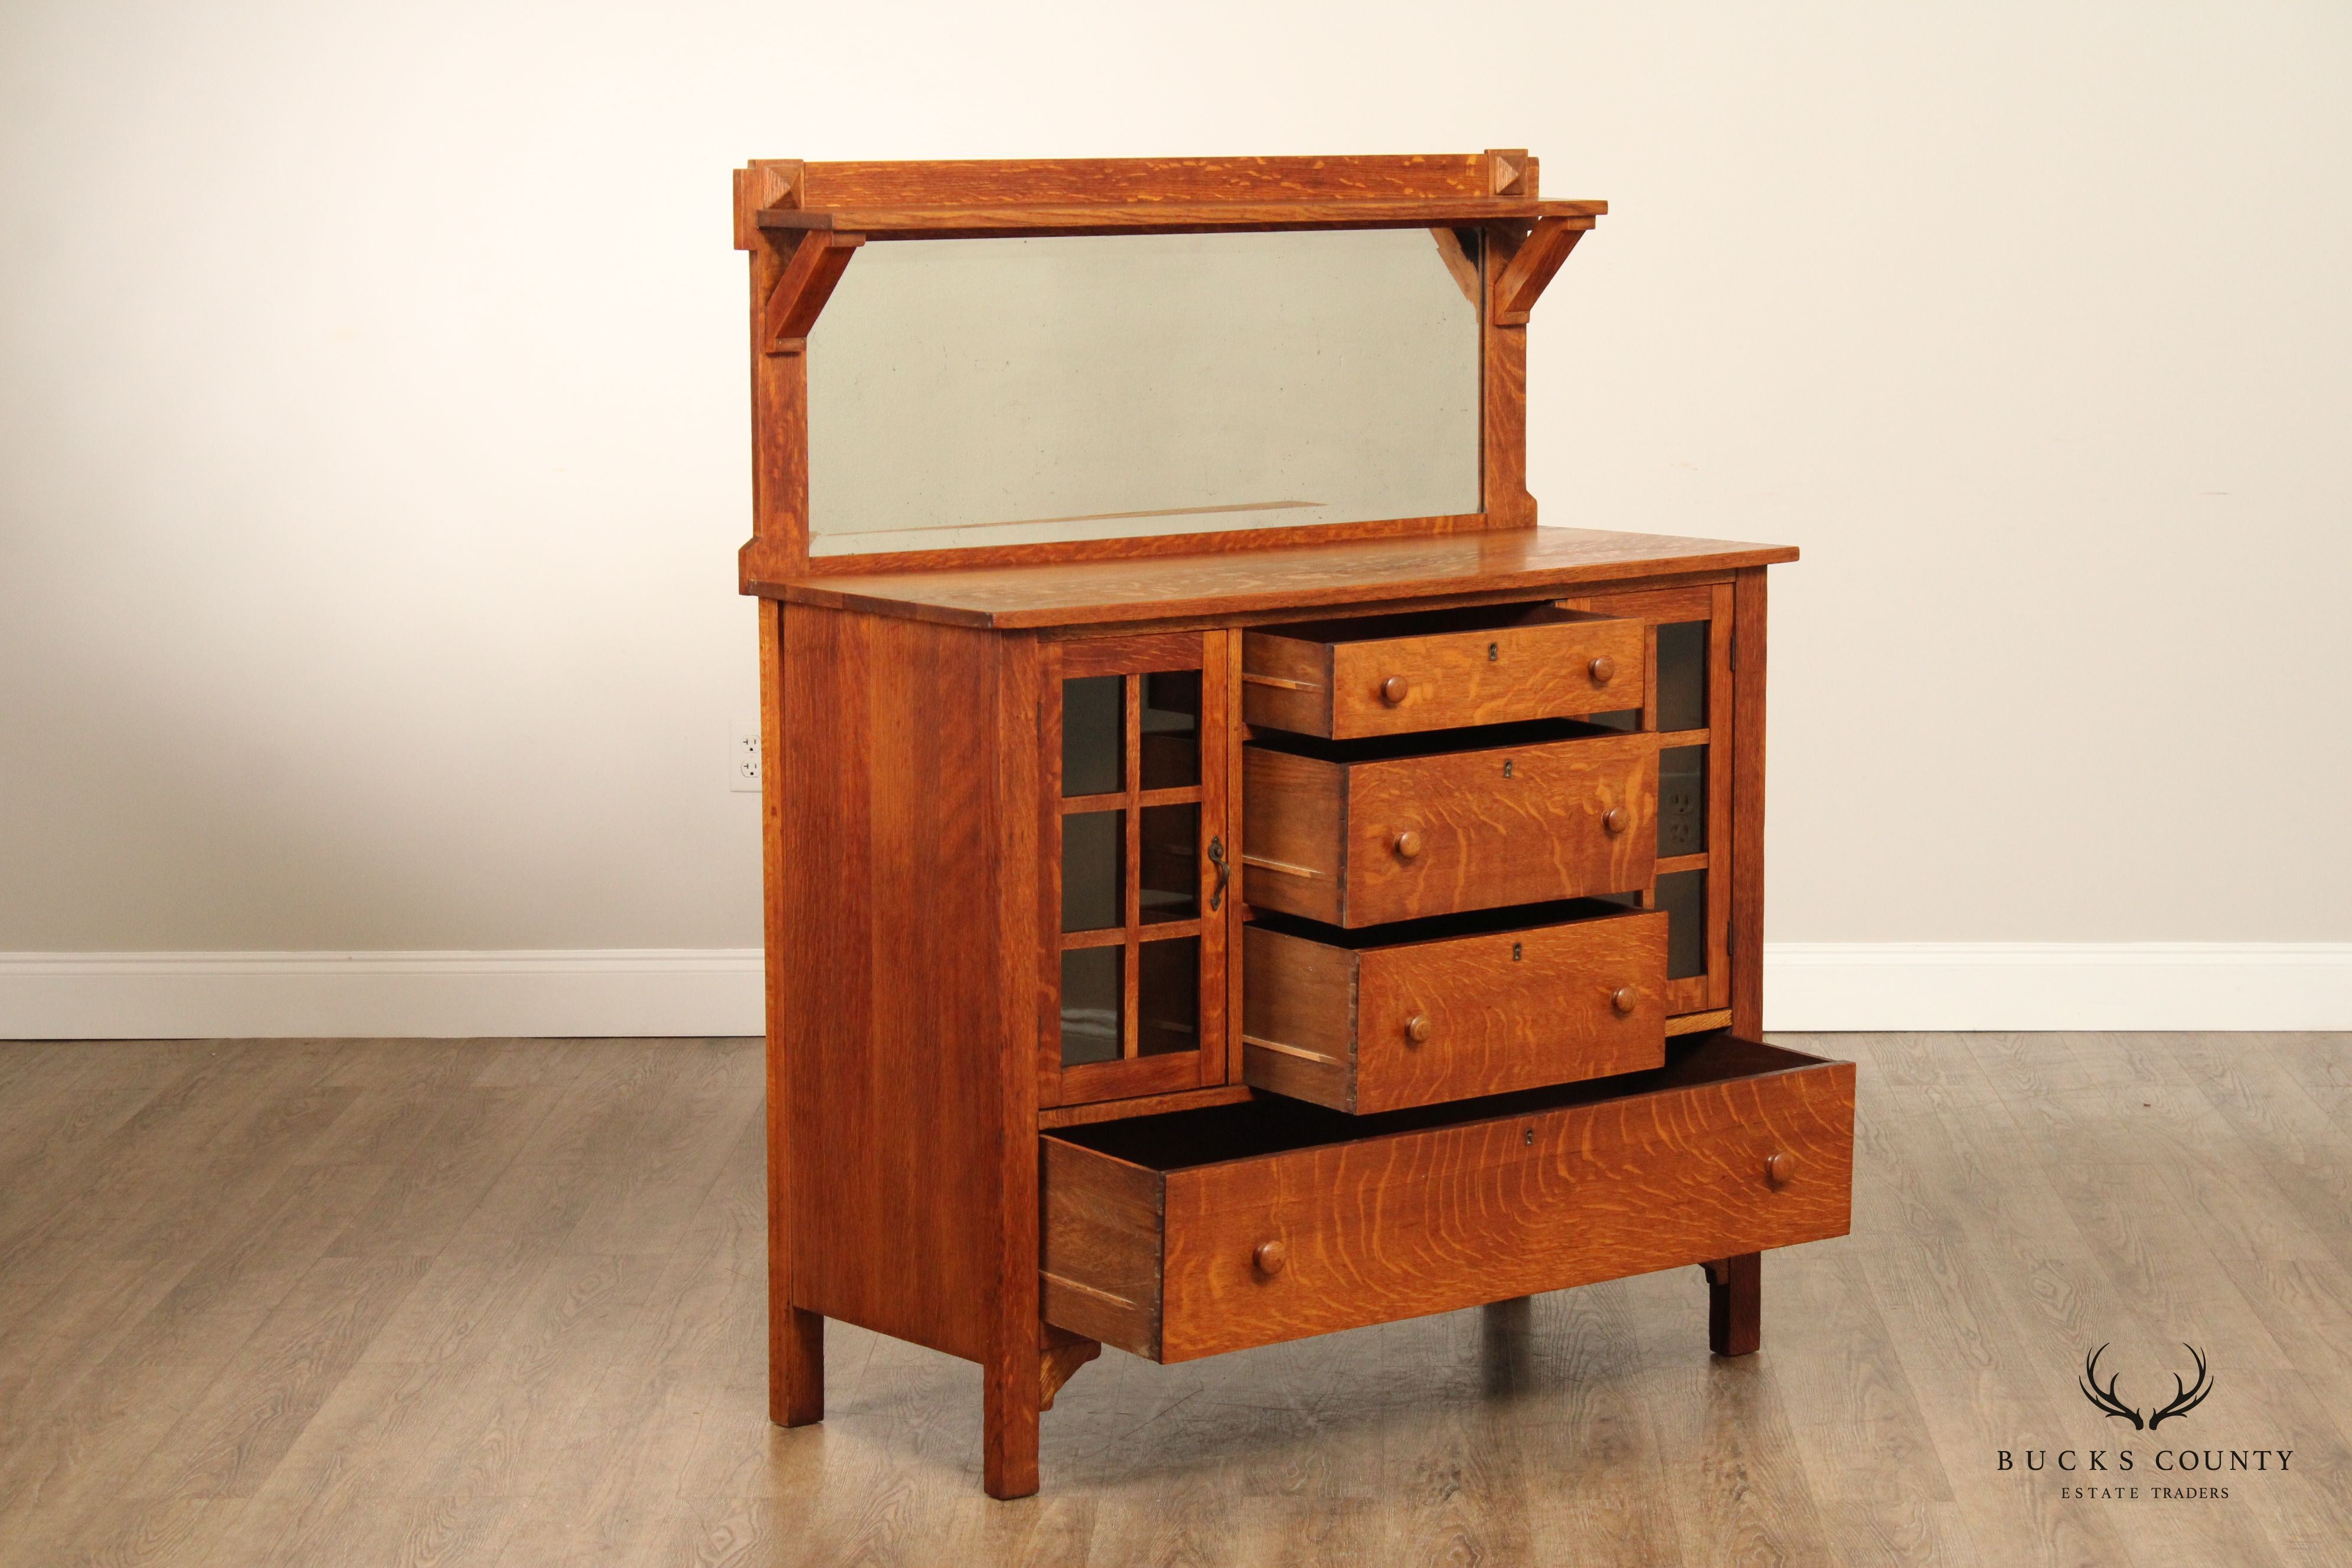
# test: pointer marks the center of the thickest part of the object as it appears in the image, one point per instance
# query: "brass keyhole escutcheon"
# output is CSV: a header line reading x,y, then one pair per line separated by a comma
x,y
1518,951
1528,1137
1394,689
1408,845
1602,670
1623,999
1416,1028
1779,1168
1615,820
1507,767
1269,1257
1493,652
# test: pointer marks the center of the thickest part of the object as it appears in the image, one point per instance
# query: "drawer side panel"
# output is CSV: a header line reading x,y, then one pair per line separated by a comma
x,y
1099,1252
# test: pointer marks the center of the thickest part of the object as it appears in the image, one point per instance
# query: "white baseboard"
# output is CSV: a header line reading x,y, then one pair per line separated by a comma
x,y
1906,985
1808,987
379,995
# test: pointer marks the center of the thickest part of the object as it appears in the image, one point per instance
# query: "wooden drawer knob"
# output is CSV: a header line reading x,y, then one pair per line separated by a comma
x,y
1269,1257
1408,844
1393,689
1615,820
1416,1028
1623,999
1602,670
1779,1168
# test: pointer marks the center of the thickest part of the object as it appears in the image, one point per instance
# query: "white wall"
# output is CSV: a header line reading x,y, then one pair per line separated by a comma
x,y
373,428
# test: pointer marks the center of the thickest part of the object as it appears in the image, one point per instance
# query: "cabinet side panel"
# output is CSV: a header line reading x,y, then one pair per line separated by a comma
x,y
890,943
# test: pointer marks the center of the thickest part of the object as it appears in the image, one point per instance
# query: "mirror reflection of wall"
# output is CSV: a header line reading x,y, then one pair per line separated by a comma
x,y
983,392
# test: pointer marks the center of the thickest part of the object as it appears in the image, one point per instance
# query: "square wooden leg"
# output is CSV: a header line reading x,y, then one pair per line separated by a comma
x,y
1735,1324
1009,1406
795,1366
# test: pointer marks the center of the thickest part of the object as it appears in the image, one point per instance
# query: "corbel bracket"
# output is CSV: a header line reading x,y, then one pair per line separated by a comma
x,y
1062,1354
810,272
1539,255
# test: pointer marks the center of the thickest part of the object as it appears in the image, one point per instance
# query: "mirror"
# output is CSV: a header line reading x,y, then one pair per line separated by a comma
x,y
968,393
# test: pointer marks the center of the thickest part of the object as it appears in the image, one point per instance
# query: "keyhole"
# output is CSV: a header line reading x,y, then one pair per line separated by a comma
x,y
1514,951
1507,767
1493,652
1530,1137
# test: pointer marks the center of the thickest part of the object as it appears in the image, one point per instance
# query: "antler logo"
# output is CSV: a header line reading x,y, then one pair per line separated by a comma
x,y
2186,1397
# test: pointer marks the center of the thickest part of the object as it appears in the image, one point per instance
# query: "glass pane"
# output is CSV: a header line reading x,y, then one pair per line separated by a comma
x,y
975,392
1168,995
1682,676
1091,996
1681,800
1094,867
1172,863
1626,718
1171,730
1682,895
1094,740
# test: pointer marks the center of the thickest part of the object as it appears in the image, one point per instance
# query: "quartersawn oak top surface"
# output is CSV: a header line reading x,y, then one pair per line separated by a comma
x,y
1170,587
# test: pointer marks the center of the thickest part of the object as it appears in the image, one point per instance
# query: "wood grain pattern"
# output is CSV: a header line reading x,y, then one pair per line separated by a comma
x,y
1509,1010
1541,666
1099,181
1401,1224
1016,1388
1533,266
1429,1222
1359,571
893,1045
810,273
795,1336
1099,1253
1302,994
1503,392
1294,825
1498,1012
1487,838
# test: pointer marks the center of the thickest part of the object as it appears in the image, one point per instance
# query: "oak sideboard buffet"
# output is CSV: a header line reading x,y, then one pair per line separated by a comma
x,y
1231,875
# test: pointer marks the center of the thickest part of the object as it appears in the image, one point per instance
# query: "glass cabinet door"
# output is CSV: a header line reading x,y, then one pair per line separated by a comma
x,y
1137,764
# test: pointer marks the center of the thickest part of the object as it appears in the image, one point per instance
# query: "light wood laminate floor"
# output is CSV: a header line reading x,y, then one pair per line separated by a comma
x,y
500,1302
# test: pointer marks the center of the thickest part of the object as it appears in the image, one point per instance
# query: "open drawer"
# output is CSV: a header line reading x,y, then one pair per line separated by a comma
x,y
1356,832
1203,1231
1438,669
1451,1007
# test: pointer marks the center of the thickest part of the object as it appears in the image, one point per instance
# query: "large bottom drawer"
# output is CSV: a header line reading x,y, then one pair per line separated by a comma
x,y
1203,1231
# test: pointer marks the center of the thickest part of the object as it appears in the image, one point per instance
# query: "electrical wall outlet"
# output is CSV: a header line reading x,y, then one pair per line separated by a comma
x,y
743,758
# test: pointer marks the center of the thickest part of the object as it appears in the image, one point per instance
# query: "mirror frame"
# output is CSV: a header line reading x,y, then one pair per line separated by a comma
x,y
803,224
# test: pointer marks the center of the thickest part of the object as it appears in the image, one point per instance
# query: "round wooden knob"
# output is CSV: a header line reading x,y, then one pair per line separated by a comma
x,y
1615,819
1269,1257
1416,1028
1779,1168
1393,689
1603,669
1623,999
1408,844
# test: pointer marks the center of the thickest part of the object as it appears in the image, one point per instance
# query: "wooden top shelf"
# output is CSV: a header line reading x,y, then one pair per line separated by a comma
x,y
978,220
1243,582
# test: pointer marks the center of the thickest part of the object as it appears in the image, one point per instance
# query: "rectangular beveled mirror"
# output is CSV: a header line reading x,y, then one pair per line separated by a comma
x,y
986,391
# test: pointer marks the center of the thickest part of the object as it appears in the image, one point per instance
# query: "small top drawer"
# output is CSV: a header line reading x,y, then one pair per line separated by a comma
x,y
1438,669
